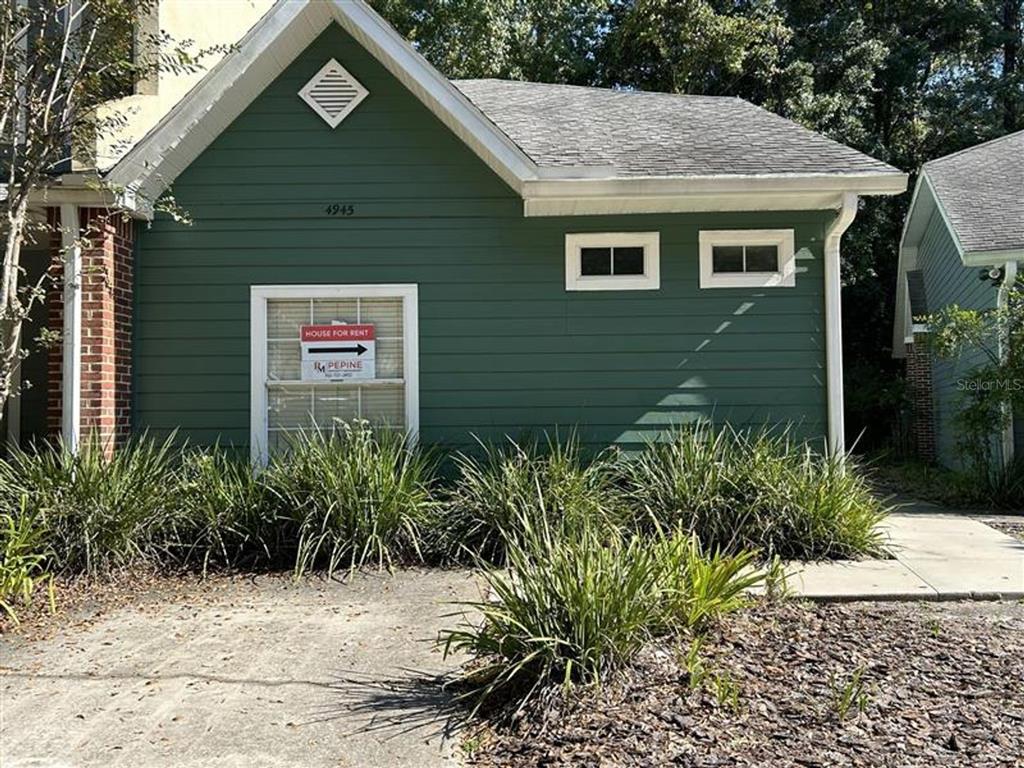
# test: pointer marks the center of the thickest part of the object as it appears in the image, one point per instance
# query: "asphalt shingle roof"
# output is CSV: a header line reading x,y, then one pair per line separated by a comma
x,y
657,134
981,189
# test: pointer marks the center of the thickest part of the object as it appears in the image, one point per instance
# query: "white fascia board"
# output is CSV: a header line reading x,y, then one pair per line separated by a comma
x,y
777,192
991,258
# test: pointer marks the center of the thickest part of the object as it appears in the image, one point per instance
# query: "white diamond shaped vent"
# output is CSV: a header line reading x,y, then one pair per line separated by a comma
x,y
333,93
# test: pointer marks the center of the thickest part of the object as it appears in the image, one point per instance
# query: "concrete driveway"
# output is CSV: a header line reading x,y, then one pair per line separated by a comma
x,y
252,673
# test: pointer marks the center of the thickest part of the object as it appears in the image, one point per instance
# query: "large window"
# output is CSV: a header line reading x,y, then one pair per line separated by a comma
x,y
747,258
324,354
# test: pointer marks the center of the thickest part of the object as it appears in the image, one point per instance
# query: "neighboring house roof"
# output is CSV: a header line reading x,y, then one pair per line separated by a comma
x,y
637,133
981,191
979,194
613,152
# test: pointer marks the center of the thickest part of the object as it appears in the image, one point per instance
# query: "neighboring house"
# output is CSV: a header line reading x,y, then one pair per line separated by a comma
x,y
962,241
479,257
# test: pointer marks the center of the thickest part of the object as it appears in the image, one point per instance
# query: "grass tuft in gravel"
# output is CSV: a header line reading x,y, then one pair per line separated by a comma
x,y
572,607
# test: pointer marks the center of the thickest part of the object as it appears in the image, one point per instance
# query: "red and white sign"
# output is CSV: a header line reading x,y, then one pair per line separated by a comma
x,y
338,352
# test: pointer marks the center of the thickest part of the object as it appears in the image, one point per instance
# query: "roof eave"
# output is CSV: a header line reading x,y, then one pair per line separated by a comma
x,y
576,196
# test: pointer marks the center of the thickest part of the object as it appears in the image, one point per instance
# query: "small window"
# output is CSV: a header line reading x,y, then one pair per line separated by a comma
x,y
747,258
624,261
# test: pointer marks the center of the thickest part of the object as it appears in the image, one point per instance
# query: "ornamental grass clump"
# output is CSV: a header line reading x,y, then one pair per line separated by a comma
x,y
573,606
761,491
353,496
225,515
23,558
500,487
99,512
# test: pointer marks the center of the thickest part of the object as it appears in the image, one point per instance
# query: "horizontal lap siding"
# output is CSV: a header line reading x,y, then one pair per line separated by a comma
x,y
947,281
503,347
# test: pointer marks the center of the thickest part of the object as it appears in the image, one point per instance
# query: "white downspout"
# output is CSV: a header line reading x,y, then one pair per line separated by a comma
x,y
834,322
71,365
1009,278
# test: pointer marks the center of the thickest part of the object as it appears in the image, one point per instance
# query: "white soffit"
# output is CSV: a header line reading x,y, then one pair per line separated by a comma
x,y
333,93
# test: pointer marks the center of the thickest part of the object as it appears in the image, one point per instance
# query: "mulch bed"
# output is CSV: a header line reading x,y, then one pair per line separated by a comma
x,y
944,683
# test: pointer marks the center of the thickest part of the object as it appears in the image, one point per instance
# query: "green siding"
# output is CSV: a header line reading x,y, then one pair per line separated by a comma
x,y
947,281
503,346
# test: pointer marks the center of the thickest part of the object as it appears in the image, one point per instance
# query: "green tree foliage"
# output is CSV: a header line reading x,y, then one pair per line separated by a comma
x,y
903,80
991,344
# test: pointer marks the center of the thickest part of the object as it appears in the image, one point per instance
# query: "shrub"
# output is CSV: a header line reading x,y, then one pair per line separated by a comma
x,y
225,514
23,556
573,606
755,491
507,485
353,496
99,513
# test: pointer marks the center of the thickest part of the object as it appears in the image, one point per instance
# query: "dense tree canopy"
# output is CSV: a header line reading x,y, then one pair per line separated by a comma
x,y
903,80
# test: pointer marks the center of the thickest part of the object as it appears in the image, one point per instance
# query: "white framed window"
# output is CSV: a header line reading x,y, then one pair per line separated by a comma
x,y
612,261
747,258
287,397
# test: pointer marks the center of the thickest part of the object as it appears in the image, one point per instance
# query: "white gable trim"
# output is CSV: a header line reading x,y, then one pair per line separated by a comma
x,y
271,45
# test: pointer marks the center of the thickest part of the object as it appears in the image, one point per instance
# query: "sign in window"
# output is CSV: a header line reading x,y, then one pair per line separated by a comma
x,y
330,358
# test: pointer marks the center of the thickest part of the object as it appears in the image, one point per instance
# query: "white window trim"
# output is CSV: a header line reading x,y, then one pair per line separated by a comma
x,y
649,281
785,277
258,296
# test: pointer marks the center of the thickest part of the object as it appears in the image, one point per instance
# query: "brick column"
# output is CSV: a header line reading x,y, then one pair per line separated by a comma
x,y
919,381
106,297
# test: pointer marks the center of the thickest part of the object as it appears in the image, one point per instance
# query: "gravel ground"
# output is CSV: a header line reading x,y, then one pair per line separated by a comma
x,y
942,681
1013,528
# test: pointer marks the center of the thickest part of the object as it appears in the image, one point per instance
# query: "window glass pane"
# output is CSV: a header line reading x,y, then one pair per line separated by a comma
x,y
762,258
384,314
629,261
727,258
595,261
386,317
284,316
283,360
329,311
289,407
335,402
384,405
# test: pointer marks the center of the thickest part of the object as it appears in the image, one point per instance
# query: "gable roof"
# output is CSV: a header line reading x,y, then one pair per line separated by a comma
x,y
979,194
637,133
788,167
981,191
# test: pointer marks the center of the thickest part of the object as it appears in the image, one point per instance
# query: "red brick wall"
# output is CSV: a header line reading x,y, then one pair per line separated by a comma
x,y
106,295
919,381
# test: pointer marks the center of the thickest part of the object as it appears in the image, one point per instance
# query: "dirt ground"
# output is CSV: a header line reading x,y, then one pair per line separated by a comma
x,y
233,672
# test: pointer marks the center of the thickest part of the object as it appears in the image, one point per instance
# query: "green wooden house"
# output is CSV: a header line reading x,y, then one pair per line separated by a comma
x,y
456,258
963,239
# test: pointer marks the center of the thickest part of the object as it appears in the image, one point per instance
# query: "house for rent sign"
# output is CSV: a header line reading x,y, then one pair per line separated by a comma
x,y
338,352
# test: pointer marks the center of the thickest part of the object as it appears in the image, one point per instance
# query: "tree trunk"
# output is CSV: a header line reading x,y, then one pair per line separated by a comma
x,y
1011,55
12,312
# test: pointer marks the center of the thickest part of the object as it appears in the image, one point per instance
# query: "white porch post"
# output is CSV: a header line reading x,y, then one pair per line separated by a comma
x,y
834,322
71,362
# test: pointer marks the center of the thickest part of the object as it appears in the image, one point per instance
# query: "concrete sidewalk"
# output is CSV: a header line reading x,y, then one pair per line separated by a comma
x,y
936,557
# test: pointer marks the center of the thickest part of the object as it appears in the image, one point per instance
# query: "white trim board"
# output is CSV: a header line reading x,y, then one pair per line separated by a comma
x,y
575,280
258,296
783,277
291,25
